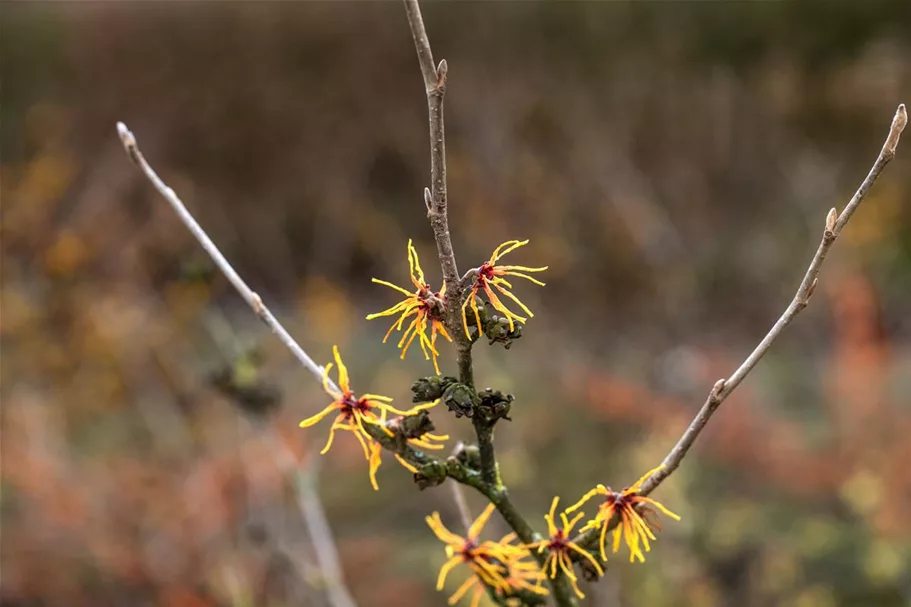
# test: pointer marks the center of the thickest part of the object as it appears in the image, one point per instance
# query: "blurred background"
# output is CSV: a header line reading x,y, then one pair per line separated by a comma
x,y
673,164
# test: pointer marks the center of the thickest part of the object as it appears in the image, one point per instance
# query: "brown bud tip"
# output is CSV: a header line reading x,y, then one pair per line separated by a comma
x,y
831,218
443,68
901,117
898,125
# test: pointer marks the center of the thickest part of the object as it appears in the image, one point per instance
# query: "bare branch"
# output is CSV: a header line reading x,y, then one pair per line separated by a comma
x,y
435,199
468,278
833,226
422,44
251,297
320,533
723,387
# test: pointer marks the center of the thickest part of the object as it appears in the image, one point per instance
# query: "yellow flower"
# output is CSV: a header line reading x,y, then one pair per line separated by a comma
x,y
354,412
374,460
560,547
491,275
423,304
524,574
425,441
634,526
498,565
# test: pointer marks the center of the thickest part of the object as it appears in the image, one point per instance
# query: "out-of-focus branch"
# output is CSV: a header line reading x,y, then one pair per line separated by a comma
x,y
459,497
314,517
320,533
723,388
250,296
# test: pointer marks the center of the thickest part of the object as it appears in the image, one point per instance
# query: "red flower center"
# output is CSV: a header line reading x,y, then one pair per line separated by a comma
x,y
617,499
485,272
468,549
350,405
557,541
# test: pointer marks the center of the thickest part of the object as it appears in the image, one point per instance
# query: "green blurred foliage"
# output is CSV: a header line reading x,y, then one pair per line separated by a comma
x,y
671,162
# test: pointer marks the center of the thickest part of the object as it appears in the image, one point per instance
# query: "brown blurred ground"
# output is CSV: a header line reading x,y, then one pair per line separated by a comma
x,y
671,163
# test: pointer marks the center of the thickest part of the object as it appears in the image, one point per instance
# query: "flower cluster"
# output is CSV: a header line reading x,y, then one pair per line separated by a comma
x,y
422,306
560,547
490,274
425,308
501,566
637,517
354,412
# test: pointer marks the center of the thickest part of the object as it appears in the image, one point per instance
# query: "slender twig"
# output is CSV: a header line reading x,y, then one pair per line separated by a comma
x,y
435,197
468,278
250,296
723,388
834,224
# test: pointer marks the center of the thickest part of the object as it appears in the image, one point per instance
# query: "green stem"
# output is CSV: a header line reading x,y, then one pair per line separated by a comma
x,y
463,352
490,470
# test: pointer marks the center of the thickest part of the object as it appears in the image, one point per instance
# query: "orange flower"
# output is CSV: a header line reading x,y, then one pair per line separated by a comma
x,y
497,565
422,305
354,412
491,275
634,526
560,547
